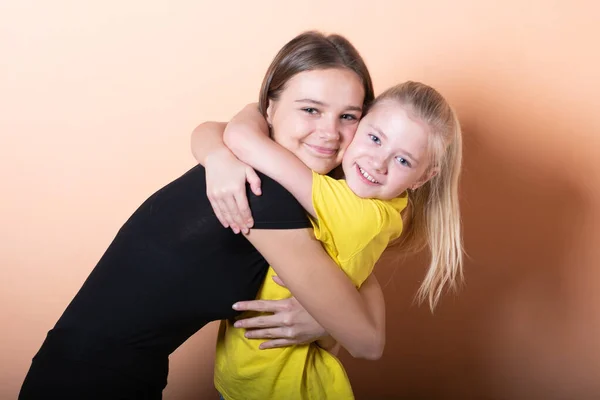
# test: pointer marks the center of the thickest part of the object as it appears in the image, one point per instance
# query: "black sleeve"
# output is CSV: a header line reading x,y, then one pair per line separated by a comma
x,y
276,208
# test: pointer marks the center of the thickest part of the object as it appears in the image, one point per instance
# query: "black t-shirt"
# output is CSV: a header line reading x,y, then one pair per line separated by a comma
x,y
171,269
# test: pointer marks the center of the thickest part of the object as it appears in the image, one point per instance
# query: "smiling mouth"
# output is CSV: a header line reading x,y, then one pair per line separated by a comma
x,y
366,175
326,151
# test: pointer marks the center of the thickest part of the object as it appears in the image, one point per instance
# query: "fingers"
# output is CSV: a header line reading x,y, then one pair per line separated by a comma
x,y
231,213
234,211
276,320
254,181
273,344
253,323
270,333
265,321
244,212
226,190
217,210
271,306
224,208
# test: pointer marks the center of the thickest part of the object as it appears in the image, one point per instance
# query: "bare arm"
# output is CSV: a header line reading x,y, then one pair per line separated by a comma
x,y
226,177
246,136
323,289
207,140
288,323
372,295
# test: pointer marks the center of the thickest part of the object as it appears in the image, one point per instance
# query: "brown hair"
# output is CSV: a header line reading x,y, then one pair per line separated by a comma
x,y
311,51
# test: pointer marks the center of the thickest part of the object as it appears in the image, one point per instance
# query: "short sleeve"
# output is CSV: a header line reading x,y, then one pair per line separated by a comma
x,y
343,218
276,208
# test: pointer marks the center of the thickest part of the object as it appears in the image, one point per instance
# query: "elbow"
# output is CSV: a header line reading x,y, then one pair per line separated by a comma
x,y
372,354
230,139
234,140
376,352
201,130
197,138
371,350
194,137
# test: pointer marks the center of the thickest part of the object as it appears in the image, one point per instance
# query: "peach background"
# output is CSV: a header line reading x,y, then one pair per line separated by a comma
x,y
98,100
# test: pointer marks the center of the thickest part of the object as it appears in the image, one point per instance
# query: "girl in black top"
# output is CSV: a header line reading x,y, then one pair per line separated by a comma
x,y
172,267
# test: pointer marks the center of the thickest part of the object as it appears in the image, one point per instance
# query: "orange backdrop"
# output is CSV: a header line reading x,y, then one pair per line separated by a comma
x,y
98,100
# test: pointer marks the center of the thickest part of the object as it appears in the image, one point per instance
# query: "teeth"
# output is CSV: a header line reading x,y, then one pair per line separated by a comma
x,y
369,177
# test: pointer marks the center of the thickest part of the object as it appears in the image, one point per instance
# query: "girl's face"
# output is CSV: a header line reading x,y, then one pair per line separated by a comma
x,y
388,155
316,116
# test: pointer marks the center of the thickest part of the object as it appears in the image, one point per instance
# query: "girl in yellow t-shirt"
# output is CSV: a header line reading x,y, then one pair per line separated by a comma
x,y
406,152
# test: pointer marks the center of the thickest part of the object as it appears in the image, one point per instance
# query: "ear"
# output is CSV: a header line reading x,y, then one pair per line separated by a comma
x,y
427,176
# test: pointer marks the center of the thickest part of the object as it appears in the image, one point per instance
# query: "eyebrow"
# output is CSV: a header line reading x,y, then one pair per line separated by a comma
x,y
380,132
320,103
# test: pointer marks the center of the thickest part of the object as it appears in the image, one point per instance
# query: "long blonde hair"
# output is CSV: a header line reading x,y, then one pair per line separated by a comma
x,y
432,218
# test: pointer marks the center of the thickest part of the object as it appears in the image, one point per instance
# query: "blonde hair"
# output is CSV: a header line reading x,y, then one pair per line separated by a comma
x,y
432,218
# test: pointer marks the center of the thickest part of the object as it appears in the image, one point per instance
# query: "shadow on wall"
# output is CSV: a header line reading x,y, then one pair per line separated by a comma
x,y
513,332
502,336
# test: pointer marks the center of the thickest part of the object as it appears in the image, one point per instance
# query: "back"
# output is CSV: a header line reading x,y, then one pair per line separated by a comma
x,y
170,265
171,269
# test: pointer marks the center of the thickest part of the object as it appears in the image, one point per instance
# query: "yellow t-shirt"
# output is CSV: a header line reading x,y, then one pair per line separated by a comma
x,y
354,232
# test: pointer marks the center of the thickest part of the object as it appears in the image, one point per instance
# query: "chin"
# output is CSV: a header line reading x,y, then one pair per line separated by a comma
x,y
356,189
322,169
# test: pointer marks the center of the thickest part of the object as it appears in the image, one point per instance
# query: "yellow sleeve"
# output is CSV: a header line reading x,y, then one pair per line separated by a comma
x,y
343,218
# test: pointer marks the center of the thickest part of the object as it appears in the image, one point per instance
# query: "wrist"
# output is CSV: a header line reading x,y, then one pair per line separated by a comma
x,y
219,155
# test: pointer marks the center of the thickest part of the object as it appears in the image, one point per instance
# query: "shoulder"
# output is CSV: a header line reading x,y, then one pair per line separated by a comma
x,y
335,202
276,208
390,210
352,222
342,216
328,192
390,216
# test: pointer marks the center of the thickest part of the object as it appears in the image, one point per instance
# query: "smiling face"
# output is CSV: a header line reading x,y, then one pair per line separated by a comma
x,y
389,153
316,116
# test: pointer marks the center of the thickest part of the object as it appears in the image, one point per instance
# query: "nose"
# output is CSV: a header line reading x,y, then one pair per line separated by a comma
x,y
329,129
379,164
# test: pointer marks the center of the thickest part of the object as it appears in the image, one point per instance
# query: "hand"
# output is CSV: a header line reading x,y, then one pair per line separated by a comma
x,y
290,324
226,178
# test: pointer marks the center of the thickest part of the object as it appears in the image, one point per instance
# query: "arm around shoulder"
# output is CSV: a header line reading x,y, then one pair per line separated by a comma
x,y
247,136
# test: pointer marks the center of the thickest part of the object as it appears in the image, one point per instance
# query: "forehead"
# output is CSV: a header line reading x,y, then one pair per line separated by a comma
x,y
400,126
334,86
393,116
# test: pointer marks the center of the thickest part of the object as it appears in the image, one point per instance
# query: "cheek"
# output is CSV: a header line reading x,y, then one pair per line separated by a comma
x,y
347,152
400,183
348,133
290,133
356,148
301,129
421,173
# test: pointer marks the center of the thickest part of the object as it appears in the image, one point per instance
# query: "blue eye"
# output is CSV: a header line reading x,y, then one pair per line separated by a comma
x,y
403,161
374,138
310,110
